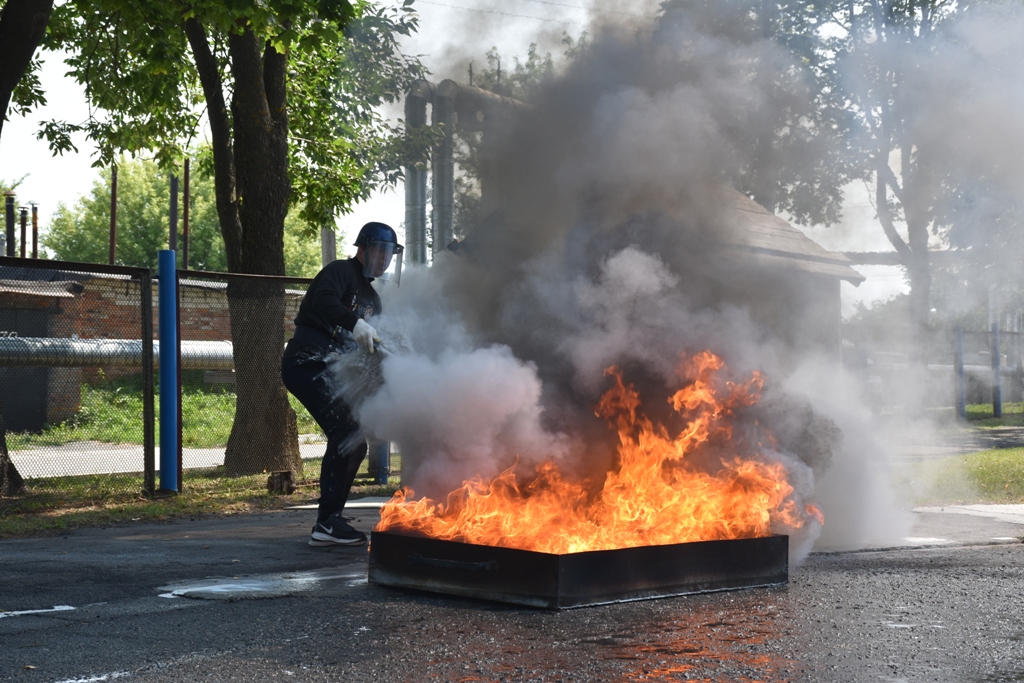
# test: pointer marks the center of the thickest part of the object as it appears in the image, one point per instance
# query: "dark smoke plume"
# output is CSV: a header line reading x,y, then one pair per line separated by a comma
x,y
605,243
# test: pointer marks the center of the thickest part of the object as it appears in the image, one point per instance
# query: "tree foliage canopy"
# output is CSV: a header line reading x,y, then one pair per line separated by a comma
x,y
81,232
142,82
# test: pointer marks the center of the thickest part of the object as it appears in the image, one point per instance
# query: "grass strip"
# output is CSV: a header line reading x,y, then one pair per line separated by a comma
x,y
983,477
55,505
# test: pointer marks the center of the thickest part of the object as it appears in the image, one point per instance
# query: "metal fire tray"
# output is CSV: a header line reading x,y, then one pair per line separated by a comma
x,y
535,579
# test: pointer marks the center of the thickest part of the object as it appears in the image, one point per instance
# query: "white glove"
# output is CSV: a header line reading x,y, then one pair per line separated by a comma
x,y
365,335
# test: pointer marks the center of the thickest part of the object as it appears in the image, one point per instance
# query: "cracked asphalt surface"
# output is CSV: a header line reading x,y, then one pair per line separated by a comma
x,y
244,598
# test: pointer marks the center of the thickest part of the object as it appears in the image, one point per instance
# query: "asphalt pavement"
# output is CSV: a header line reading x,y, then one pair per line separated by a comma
x,y
244,598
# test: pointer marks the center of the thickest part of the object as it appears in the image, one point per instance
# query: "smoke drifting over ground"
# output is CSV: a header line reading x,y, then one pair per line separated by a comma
x,y
603,245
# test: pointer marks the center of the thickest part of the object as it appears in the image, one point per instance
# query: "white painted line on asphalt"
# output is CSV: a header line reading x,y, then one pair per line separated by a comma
x,y
925,540
55,608
368,503
95,679
261,586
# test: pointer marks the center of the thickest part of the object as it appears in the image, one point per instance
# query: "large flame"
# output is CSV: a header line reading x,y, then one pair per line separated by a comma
x,y
656,494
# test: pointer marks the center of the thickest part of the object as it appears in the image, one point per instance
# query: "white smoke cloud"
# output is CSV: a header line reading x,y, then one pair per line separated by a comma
x,y
459,415
855,489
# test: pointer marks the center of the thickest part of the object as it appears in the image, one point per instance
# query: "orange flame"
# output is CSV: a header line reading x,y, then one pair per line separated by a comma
x,y
656,495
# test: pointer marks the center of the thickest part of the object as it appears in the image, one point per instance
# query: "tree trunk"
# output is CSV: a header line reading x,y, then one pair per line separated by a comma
x,y
264,436
10,480
22,27
920,274
251,177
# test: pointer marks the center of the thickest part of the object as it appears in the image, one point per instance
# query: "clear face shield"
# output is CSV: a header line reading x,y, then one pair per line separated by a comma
x,y
383,260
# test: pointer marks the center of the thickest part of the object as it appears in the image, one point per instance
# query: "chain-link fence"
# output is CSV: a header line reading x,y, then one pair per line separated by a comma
x,y
889,366
78,353
234,409
76,381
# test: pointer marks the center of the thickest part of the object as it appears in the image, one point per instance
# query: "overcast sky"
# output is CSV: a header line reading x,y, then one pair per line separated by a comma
x,y
451,34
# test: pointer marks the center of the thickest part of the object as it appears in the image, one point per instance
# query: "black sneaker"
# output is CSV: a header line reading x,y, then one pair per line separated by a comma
x,y
336,530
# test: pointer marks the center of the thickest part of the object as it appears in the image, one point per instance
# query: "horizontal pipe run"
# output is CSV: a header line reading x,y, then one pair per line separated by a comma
x,y
87,353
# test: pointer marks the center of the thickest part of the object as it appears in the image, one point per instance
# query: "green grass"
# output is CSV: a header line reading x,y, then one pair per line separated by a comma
x,y
993,476
112,413
980,415
58,504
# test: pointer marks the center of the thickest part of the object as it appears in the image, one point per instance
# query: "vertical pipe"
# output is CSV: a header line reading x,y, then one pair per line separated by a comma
x,y
148,407
177,364
35,231
184,219
112,255
23,215
997,384
958,367
168,371
380,452
172,239
9,206
416,179
442,166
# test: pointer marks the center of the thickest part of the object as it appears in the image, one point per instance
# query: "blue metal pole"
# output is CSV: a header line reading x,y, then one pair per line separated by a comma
x,y
168,317
381,454
961,385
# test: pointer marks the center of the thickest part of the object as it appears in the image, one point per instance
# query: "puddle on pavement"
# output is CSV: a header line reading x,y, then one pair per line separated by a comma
x,y
264,585
714,638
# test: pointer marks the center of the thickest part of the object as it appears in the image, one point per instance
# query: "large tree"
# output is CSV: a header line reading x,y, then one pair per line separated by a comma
x,y
795,131
288,89
887,50
22,27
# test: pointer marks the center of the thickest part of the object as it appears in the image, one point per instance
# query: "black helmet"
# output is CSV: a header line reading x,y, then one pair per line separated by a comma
x,y
378,232
380,253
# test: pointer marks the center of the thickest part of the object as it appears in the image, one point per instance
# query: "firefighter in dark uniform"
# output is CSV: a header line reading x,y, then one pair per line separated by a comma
x,y
333,319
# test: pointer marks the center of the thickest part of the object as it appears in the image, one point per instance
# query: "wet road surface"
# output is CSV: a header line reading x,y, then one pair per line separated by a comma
x,y
245,599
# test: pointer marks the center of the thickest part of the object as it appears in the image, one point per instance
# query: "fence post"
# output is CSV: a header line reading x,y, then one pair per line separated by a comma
x,y
148,408
997,385
380,461
169,397
958,367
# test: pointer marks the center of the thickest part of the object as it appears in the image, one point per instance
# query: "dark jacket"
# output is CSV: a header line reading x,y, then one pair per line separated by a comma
x,y
336,299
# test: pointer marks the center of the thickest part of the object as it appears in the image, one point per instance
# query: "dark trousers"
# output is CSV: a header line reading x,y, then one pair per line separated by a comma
x,y
303,375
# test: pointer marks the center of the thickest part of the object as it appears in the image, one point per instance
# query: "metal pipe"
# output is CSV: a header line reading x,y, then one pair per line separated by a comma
x,y
148,363
179,454
961,383
184,218
997,383
9,216
35,230
416,178
172,240
112,251
60,352
169,396
442,165
23,214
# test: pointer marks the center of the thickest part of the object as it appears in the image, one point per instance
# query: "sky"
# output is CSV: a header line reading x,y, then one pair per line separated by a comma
x,y
451,35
